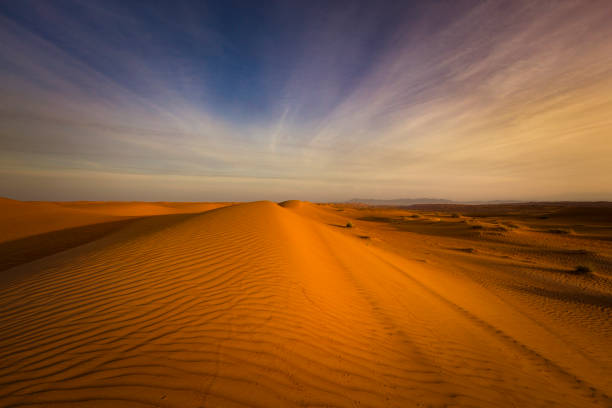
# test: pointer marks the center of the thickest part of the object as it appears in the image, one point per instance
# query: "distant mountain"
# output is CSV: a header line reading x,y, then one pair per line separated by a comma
x,y
401,201
493,202
419,201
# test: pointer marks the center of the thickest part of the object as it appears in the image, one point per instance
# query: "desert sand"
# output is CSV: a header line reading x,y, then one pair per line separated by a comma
x,y
267,305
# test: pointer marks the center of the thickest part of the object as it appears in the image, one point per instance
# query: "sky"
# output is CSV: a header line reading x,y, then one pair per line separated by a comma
x,y
312,100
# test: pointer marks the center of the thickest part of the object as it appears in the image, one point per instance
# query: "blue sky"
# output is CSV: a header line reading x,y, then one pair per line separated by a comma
x,y
321,101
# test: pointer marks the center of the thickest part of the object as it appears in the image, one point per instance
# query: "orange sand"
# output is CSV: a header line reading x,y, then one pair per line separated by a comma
x,y
267,305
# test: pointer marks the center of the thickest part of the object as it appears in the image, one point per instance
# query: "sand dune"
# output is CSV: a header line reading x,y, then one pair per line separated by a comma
x,y
265,305
20,219
32,230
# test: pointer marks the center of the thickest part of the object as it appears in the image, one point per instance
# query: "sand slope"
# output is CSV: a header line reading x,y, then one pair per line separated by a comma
x,y
21,219
32,230
263,305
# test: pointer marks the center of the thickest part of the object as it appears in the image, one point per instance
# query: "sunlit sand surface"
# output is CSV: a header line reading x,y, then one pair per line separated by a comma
x,y
264,304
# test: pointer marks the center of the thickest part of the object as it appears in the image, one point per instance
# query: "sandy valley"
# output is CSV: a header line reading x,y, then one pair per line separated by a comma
x,y
301,304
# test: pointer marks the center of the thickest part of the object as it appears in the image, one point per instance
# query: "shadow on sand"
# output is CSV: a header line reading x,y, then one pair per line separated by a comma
x,y
24,250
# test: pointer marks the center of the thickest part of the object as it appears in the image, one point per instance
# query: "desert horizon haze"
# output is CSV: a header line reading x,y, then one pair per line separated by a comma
x,y
305,204
322,101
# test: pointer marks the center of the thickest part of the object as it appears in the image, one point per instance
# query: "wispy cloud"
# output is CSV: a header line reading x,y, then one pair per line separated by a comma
x,y
470,100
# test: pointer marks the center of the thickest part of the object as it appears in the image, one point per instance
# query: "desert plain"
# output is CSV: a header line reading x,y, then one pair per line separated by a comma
x,y
299,304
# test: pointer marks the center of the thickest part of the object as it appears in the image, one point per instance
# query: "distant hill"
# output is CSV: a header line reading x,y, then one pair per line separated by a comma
x,y
401,201
419,201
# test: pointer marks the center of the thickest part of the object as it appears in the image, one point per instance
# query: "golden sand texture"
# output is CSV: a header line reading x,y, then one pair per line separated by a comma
x,y
264,305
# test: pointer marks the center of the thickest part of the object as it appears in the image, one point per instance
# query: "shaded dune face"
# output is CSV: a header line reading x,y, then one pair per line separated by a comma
x,y
261,305
21,219
27,249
